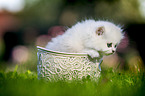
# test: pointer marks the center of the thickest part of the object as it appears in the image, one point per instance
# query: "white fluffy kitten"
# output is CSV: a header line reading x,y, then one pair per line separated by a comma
x,y
96,38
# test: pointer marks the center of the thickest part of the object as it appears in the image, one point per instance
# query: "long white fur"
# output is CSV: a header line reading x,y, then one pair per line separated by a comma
x,y
82,38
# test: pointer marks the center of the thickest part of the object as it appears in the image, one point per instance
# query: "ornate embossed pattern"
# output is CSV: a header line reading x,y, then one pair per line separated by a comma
x,y
59,66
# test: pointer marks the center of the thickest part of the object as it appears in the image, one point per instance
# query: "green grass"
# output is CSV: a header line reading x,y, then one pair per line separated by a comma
x,y
110,84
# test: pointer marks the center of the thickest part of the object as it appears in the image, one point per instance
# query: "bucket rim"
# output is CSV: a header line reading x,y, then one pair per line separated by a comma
x,y
58,52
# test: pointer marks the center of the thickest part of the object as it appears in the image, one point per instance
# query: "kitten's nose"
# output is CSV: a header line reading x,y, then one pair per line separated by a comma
x,y
113,51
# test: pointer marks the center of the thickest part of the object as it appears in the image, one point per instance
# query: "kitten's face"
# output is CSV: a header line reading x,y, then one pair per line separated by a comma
x,y
109,37
109,48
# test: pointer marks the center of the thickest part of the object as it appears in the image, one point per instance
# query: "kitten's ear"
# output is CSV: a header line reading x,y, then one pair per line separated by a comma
x,y
100,30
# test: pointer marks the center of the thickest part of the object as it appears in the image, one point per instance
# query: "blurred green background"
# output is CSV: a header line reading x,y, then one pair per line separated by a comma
x,y
25,24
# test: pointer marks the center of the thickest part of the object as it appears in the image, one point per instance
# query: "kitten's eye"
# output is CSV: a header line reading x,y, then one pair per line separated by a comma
x,y
109,44
115,46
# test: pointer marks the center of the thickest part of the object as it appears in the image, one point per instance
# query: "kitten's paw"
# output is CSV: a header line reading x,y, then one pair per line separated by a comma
x,y
92,53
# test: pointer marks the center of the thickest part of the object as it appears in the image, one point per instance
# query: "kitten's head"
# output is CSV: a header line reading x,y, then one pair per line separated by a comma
x,y
109,36
102,36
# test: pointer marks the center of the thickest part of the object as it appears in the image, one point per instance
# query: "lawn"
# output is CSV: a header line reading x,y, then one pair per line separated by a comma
x,y
111,83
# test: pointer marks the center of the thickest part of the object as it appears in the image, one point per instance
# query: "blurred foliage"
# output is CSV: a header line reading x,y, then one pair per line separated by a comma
x,y
46,13
1,49
41,13
123,11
